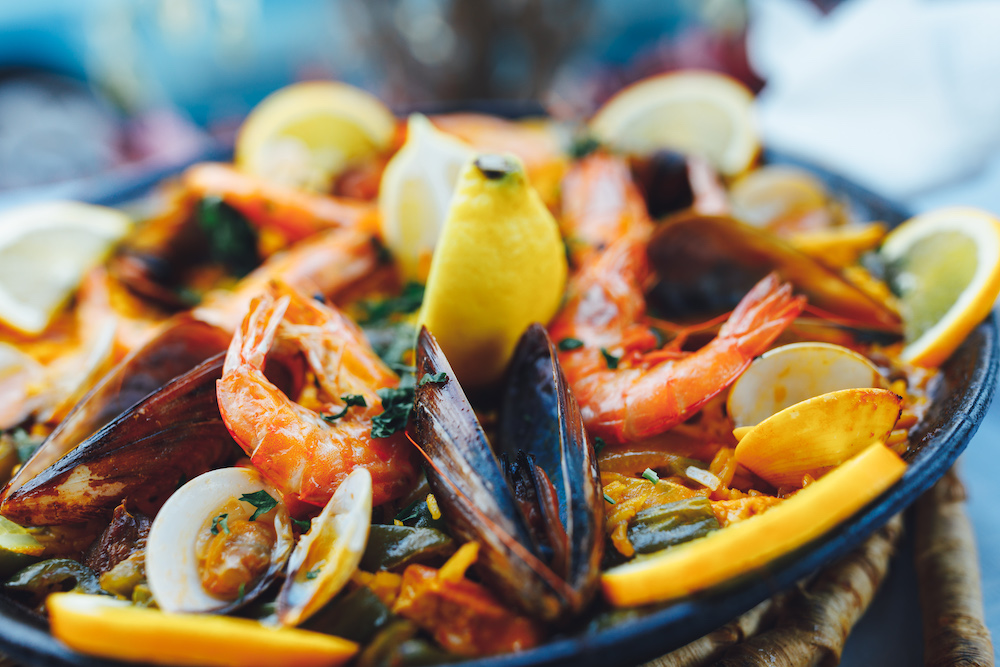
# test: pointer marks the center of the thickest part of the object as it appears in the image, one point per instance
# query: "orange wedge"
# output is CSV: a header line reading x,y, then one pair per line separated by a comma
x,y
109,628
741,548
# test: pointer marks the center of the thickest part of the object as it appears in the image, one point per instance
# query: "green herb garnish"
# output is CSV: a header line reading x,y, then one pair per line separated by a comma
x,y
304,526
651,475
262,500
567,344
25,444
221,521
609,499
599,445
243,592
396,404
436,378
350,401
312,574
610,359
408,301
232,242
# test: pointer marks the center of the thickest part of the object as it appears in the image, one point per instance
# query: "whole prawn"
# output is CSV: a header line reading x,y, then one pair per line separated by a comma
x,y
627,388
293,446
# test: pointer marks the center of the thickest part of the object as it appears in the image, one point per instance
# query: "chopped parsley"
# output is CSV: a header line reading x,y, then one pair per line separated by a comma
x,y
221,521
232,242
599,445
609,499
651,475
583,146
396,404
350,401
262,500
610,359
304,526
312,574
436,378
25,444
408,301
243,592
567,344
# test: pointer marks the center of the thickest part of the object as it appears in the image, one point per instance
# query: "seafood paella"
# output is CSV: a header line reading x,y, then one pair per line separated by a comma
x,y
405,391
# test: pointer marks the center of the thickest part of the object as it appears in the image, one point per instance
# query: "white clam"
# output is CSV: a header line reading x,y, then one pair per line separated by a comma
x,y
818,434
171,548
328,555
793,373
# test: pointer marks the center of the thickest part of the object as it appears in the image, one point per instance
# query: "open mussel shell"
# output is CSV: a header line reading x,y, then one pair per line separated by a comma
x,y
792,373
328,555
546,570
191,515
542,438
706,264
818,434
182,344
172,435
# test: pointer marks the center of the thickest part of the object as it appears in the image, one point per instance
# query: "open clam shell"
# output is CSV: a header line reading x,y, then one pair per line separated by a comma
x,y
792,373
541,561
172,551
328,555
818,434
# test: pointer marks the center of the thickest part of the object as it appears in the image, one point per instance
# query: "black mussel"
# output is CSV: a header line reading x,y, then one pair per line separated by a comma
x,y
706,264
665,182
182,344
536,511
143,455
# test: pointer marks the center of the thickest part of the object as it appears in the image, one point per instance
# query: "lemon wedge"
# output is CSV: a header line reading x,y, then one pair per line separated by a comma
x,y
698,112
110,628
45,251
416,187
945,268
499,266
305,134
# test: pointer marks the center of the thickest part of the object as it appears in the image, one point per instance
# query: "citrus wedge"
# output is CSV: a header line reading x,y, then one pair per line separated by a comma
x,y
305,134
945,268
739,549
109,628
416,187
500,265
45,251
703,113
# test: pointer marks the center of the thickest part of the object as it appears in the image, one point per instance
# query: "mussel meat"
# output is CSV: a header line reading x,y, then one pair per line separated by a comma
x,y
536,512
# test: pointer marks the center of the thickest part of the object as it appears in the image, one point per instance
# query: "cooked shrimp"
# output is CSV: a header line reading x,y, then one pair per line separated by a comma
x,y
298,451
326,264
627,389
600,205
296,213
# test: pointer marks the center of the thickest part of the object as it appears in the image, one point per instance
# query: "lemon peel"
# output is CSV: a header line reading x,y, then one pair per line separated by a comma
x,y
499,266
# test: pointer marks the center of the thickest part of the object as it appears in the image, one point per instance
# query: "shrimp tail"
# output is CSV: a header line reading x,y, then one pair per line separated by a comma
x,y
251,342
762,315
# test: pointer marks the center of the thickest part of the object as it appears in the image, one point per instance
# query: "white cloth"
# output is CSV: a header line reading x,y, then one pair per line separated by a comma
x,y
900,95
